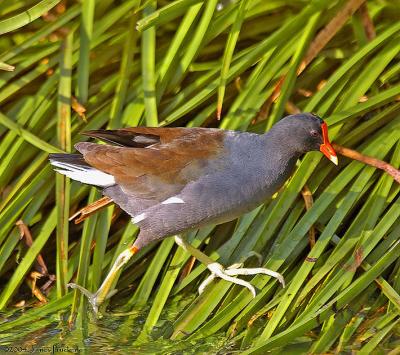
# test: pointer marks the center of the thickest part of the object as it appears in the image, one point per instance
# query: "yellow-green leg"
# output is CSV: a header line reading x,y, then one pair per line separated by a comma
x,y
104,292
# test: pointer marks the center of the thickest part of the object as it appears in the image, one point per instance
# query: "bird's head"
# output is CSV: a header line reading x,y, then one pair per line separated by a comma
x,y
307,132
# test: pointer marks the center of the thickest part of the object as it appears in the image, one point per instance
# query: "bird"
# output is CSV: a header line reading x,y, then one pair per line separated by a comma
x,y
171,180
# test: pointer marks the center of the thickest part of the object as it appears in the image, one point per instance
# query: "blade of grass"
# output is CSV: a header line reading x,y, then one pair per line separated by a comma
x,y
171,59
62,182
27,16
314,319
28,136
125,73
228,53
165,14
86,34
290,78
84,258
193,47
30,257
148,69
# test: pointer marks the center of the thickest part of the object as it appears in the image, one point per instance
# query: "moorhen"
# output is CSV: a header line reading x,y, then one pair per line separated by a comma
x,y
171,180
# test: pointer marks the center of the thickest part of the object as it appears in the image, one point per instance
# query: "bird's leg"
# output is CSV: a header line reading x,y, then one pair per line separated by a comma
x,y
104,292
217,270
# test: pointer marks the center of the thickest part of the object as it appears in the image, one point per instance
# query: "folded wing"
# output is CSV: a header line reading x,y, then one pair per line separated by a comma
x,y
152,164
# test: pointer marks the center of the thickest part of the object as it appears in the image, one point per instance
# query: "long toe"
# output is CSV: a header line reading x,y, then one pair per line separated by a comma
x,y
256,271
217,270
92,297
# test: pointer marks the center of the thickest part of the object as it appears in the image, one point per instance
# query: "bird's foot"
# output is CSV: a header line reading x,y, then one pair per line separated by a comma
x,y
92,297
105,291
217,270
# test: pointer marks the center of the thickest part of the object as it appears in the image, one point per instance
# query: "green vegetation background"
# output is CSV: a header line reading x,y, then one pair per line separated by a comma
x,y
115,63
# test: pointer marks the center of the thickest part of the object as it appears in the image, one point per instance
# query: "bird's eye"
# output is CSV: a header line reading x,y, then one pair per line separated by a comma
x,y
314,133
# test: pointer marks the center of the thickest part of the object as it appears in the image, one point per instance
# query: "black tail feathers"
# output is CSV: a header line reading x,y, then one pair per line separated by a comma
x,y
72,159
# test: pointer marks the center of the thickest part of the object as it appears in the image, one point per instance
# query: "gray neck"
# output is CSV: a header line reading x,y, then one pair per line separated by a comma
x,y
283,149
265,162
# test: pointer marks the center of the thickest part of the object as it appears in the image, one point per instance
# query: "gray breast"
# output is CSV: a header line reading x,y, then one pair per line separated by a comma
x,y
237,182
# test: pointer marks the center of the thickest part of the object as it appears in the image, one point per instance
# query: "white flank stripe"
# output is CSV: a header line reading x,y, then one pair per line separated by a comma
x,y
89,176
173,199
138,218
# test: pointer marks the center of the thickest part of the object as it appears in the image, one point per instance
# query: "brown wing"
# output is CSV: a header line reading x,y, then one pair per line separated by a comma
x,y
169,157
